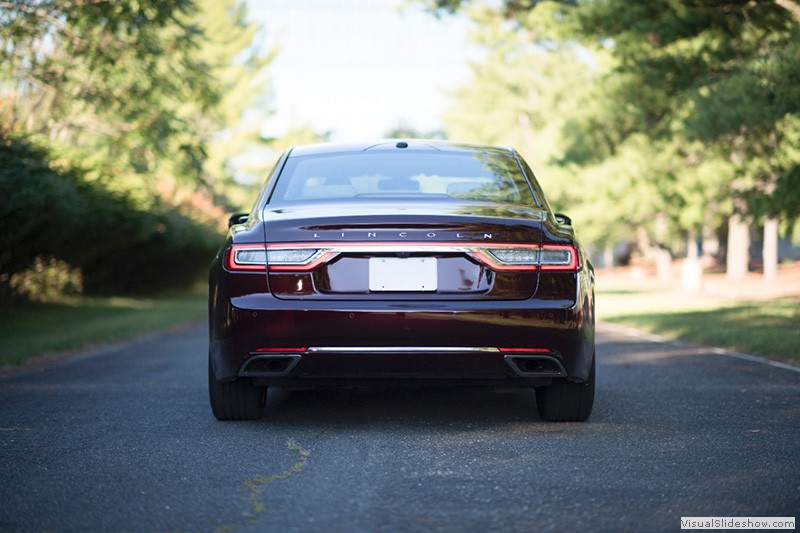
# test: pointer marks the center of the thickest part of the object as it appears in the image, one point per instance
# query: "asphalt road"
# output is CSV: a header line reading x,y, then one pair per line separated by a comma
x,y
123,439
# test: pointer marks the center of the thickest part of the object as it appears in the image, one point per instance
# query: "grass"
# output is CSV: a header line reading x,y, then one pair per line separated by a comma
x,y
767,327
40,328
764,327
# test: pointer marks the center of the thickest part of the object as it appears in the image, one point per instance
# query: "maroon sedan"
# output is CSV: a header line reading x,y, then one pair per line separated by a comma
x,y
401,262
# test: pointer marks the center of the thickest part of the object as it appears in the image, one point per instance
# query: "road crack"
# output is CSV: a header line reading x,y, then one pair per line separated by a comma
x,y
256,485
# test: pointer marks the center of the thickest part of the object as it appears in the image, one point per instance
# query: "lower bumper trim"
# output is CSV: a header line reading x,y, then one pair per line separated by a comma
x,y
351,361
401,349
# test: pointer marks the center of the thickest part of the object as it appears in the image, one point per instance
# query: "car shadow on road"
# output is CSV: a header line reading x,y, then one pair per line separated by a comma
x,y
409,406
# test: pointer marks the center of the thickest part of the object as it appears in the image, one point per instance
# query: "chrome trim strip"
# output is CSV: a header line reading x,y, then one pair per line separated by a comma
x,y
400,349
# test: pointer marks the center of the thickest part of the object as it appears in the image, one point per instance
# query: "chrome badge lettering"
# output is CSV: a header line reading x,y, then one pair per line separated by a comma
x,y
430,235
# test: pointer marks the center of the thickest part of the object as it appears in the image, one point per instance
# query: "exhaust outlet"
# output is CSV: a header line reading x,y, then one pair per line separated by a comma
x,y
536,366
269,365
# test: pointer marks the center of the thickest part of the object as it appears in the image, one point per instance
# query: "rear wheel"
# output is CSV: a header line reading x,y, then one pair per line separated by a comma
x,y
565,401
235,400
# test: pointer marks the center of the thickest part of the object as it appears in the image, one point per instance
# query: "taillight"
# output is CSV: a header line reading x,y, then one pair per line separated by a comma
x,y
305,257
550,257
559,257
256,257
522,257
249,257
296,259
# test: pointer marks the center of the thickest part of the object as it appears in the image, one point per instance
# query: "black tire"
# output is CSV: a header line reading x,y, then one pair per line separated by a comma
x,y
565,401
235,400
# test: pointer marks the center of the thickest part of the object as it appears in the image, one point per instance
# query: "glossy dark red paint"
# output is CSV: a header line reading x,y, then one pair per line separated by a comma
x,y
481,314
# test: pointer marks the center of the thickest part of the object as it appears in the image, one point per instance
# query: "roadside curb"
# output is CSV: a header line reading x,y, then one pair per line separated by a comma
x,y
660,339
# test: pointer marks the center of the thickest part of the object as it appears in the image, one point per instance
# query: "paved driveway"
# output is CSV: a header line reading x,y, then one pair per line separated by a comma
x,y
123,439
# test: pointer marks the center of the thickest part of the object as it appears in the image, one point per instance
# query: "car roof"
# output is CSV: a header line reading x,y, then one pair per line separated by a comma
x,y
416,145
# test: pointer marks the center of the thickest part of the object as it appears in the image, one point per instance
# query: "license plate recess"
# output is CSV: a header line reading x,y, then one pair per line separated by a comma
x,y
403,274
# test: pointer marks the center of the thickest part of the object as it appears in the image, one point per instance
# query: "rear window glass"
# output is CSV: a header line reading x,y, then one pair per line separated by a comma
x,y
361,176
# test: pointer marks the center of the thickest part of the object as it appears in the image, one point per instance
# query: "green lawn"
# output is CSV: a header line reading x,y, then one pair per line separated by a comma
x,y
40,328
769,327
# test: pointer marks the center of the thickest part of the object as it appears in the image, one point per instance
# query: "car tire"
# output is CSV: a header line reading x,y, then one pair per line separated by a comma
x,y
565,401
235,400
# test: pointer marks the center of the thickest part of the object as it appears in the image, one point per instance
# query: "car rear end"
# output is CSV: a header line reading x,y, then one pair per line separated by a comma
x,y
402,263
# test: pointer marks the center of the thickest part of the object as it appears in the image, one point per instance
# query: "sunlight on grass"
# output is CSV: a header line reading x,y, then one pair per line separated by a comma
x,y
769,327
72,323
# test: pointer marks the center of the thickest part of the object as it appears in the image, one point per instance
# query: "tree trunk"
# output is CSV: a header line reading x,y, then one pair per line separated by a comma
x,y
710,242
738,247
608,256
770,250
663,255
692,270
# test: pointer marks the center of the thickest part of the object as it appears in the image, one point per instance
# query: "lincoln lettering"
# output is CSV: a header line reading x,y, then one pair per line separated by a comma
x,y
402,235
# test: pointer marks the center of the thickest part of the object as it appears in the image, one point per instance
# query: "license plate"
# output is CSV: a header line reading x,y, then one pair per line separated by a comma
x,y
402,274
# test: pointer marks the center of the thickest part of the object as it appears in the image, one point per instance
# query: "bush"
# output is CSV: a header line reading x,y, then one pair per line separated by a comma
x,y
118,247
40,211
47,279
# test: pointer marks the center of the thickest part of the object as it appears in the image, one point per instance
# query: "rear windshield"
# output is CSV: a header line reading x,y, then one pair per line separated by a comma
x,y
475,176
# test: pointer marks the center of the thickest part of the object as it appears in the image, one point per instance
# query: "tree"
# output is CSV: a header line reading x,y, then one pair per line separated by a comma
x,y
725,74
125,101
233,126
708,86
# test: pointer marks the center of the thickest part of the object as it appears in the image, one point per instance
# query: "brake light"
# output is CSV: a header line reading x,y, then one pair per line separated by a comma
x,y
302,257
294,349
559,257
550,257
246,257
296,259
516,255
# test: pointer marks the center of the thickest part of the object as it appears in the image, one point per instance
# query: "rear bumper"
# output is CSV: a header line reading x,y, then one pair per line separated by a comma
x,y
403,340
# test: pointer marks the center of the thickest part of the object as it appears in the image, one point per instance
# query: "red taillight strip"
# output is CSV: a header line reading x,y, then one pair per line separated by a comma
x,y
230,258
525,350
294,349
574,263
477,250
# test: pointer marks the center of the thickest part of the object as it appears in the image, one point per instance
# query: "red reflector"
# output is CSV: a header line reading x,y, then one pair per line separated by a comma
x,y
281,350
525,350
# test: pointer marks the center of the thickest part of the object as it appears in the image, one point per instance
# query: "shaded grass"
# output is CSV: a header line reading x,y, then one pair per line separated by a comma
x,y
39,328
769,327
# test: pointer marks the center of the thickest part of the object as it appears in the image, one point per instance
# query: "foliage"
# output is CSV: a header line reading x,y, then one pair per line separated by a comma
x,y
685,108
117,120
48,280
118,247
723,73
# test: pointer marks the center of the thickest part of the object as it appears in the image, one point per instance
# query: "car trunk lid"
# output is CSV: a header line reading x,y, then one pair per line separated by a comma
x,y
418,250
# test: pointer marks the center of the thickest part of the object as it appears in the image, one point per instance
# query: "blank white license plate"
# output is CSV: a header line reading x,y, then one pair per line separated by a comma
x,y
402,274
